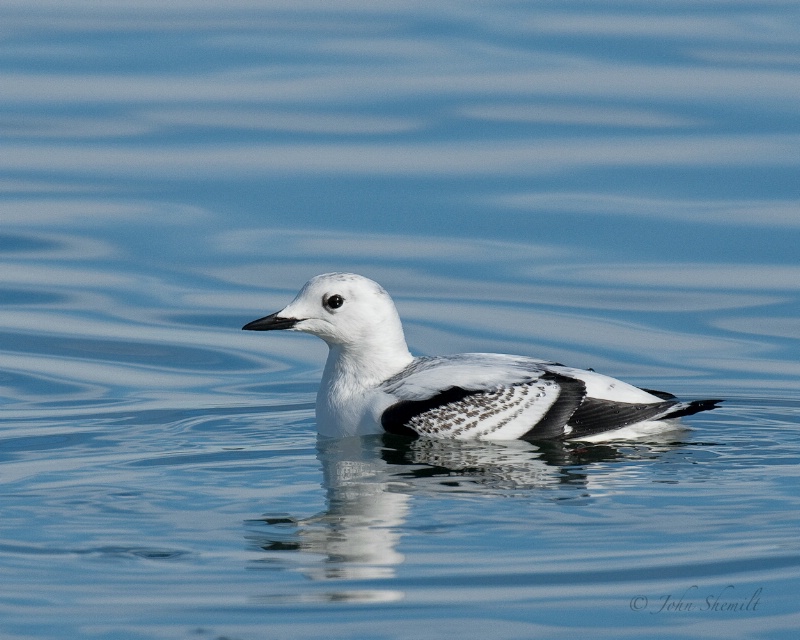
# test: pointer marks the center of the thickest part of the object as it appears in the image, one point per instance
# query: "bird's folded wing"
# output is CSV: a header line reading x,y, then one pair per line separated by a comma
x,y
484,396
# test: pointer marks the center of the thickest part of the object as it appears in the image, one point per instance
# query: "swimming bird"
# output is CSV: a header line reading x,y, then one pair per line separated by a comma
x,y
372,384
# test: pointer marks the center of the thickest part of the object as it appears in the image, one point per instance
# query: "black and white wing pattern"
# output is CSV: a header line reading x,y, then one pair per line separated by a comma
x,y
541,406
498,397
484,396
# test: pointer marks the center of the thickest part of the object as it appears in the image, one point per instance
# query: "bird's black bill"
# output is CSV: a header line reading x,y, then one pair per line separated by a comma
x,y
270,323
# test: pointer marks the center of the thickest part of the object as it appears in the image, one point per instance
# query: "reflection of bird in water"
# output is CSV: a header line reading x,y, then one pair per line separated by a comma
x,y
358,533
512,465
372,384
370,482
515,464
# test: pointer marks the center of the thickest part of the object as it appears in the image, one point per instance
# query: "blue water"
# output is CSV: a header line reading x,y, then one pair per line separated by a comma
x,y
613,186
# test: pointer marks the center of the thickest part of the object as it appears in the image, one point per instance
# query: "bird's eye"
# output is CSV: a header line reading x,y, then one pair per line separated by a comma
x,y
334,302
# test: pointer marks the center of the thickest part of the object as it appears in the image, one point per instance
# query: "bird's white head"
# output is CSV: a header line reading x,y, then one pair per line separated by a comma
x,y
346,310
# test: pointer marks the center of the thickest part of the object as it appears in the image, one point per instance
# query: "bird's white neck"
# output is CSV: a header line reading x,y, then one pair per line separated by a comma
x,y
351,371
364,366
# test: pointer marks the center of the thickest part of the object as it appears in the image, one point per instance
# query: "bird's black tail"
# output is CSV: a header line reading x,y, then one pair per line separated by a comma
x,y
690,408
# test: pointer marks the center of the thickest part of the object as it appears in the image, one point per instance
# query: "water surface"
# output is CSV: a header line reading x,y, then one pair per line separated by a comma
x,y
611,187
